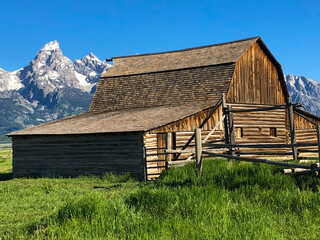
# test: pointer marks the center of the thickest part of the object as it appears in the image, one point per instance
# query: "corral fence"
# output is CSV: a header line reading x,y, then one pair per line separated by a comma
x,y
227,148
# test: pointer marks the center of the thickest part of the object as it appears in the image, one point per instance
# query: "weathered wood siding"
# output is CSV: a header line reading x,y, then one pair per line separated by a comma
x,y
255,80
192,122
182,131
305,133
72,155
260,127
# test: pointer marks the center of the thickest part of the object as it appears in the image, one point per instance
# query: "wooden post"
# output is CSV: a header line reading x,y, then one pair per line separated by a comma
x,y
292,130
145,167
168,147
231,130
318,139
225,110
198,149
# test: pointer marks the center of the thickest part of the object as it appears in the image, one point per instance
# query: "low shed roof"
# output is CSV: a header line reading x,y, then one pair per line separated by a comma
x,y
129,120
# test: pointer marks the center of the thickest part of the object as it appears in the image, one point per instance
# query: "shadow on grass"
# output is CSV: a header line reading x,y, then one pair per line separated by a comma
x,y
6,176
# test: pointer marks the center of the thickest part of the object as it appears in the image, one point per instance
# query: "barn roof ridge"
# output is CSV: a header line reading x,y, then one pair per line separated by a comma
x,y
172,70
187,49
209,55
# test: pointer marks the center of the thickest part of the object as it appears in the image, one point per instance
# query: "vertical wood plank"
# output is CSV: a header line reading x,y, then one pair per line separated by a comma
x,y
318,139
224,109
198,150
231,129
168,147
292,130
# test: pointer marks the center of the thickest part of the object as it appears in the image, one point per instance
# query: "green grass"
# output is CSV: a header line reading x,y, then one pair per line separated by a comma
x,y
230,200
5,161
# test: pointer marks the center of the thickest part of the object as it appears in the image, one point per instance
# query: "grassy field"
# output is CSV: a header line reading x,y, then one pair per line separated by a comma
x,y
229,201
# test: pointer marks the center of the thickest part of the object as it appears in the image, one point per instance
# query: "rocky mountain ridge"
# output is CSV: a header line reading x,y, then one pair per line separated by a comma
x,y
51,86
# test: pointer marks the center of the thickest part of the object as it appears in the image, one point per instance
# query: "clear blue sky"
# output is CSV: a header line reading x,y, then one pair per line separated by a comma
x,y
291,29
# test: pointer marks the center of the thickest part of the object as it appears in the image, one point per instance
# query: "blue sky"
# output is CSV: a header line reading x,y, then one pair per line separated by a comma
x,y
291,29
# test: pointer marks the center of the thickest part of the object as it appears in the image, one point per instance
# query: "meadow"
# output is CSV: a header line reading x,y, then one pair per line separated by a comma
x,y
230,200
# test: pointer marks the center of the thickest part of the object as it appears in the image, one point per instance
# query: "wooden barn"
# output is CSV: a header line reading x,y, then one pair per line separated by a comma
x,y
149,102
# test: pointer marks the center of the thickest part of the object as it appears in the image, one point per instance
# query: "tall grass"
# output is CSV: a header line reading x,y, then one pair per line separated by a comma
x,y
229,200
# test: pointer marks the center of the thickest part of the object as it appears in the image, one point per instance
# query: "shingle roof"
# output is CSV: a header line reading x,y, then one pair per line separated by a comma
x,y
176,87
130,120
186,58
169,78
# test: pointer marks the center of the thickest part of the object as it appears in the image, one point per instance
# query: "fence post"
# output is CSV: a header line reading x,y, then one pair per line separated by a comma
x,y
168,147
318,140
292,130
198,149
225,110
231,130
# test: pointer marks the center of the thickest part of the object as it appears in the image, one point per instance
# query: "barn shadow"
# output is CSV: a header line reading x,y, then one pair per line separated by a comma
x,y
6,176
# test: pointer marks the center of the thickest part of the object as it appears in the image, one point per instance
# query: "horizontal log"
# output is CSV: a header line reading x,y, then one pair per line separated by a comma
x,y
287,171
259,145
265,153
307,161
158,167
179,151
284,164
307,150
266,125
156,160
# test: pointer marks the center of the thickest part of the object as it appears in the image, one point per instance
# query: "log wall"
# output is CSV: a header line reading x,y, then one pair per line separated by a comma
x,y
73,155
182,131
263,127
255,80
305,133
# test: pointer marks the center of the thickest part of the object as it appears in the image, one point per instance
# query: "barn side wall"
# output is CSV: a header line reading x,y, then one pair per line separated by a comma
x,y
305,133
155,140
262,127
256,80
73,155
265,127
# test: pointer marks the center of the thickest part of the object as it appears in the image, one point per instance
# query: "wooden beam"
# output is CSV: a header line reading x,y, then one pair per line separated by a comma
x,y
213,129
226,128
318,140
271,145
257,160
260,109
168,147
305,118
172,151
198,149
292,130
231,129
145,170
201,125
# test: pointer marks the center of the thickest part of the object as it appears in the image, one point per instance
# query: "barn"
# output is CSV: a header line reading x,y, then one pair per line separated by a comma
x,y
147,102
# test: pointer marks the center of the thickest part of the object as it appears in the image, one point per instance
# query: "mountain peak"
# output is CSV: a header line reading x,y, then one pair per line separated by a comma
x,y
50,46
93,57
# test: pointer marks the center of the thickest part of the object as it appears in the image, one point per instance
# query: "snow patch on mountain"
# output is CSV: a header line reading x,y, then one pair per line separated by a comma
x,y
50,87
51,46
305,91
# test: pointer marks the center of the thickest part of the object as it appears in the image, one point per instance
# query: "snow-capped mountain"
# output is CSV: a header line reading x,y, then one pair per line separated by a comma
x,y
50,87
9,81
305,91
